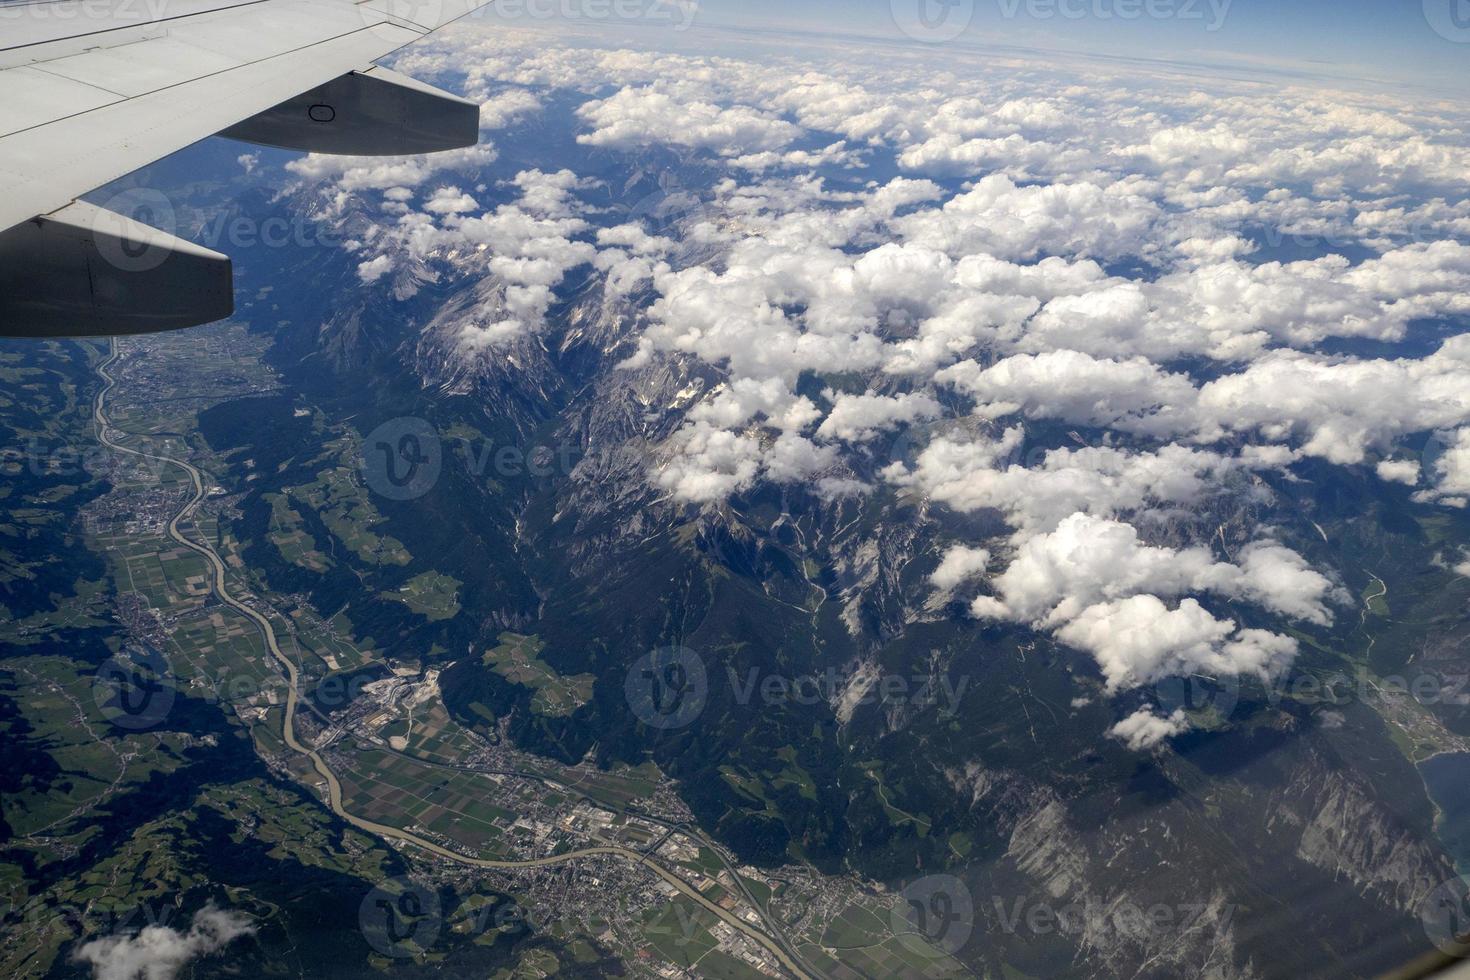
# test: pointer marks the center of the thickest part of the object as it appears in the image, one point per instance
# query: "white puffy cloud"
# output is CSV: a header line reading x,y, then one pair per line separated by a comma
x,y
711,464
1277,578
1131,395
375,268
792,458
1336,408
635,117
507,108
450,200
857,417
1000,218
1339,408
1144,729
1450,472
742,399
528,246
1140,640
1405,471
159,952
960,564
837,154
1087,560
1233,310
350,174
1104,481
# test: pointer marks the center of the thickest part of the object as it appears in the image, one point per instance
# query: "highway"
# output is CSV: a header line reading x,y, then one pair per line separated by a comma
x,y
220,587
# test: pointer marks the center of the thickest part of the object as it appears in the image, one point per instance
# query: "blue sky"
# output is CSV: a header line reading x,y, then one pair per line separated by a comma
x,y
1370,40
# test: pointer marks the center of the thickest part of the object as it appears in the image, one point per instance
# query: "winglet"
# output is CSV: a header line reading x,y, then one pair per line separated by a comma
x,y
366,113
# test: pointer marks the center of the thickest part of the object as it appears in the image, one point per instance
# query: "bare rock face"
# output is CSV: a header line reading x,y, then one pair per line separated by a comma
x,y
1348,833
1089,895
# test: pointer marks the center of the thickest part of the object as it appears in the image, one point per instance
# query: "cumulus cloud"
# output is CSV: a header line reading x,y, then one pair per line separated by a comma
x,y
1145,729
527,246
507,108
1450,472
1087,560
960,564
711,464
1405,471
857,417
1099,588
1339,408
1140,640
970,474
375,268
1131,395
1333,407
450,200
635,117
159,952
1003,219
837,154
738,401
350,174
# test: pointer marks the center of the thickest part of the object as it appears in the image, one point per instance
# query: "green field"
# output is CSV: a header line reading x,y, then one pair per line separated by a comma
x,y
516,659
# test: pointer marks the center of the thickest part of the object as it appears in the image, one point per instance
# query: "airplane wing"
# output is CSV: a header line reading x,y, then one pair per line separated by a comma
x,y
91,90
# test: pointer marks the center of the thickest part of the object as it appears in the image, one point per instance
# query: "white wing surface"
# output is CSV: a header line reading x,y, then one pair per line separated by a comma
x,y
91,90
